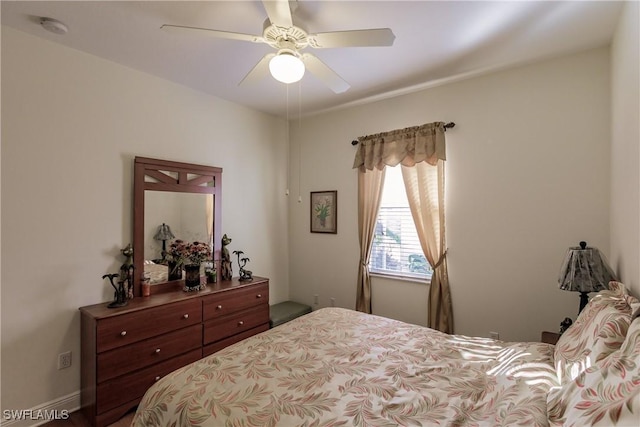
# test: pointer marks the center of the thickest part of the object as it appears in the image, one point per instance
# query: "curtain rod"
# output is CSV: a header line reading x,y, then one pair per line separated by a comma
x,y
446,126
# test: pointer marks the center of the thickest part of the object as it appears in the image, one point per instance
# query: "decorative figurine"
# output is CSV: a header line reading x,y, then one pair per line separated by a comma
x,y
128,252
226,270
120,295
564,325
126,278
245,275
124,290
126,270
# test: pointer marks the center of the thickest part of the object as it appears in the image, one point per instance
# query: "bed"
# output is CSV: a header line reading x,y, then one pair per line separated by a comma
x,y
338,367
157,273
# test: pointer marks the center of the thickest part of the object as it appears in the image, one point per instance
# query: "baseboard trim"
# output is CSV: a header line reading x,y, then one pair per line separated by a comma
x,y
43,413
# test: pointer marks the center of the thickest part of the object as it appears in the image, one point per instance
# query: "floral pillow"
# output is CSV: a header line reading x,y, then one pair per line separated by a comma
x,y
599,330
607,394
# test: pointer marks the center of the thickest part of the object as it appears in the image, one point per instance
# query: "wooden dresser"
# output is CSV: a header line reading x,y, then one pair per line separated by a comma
x,y
125,350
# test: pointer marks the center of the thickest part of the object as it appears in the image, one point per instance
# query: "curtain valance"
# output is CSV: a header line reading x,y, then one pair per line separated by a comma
x,y
425,143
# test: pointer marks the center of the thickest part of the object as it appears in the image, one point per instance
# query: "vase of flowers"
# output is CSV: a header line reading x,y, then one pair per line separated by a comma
x,y
175,271
192,277
197,253
176,256
188,256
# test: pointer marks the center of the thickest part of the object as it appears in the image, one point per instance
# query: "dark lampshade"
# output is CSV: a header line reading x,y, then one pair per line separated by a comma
x,y
164,233
584,270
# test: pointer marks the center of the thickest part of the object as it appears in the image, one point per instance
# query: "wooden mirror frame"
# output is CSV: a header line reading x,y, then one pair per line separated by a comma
x,y
191,178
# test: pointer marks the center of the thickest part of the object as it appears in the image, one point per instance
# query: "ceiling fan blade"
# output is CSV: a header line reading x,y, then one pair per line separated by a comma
x,y
325,74
278,12
355,38
213,33
259,71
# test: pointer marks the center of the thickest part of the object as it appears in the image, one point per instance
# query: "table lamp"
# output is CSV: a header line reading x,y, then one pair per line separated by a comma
x,y
164,233
584,270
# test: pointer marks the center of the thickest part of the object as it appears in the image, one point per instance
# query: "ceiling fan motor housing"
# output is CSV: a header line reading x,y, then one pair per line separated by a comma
x,y
285,37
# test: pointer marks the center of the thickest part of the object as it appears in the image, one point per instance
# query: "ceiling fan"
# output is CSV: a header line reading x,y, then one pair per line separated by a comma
x,y
288,64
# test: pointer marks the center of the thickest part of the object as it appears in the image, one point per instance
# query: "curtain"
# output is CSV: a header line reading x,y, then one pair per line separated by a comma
x,y
421,151
369,195
408,146
425,192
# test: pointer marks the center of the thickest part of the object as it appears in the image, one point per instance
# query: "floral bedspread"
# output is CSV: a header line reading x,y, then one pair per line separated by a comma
x,y
157,273
337,367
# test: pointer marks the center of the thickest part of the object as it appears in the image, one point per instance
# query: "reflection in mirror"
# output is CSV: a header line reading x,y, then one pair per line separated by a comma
x,y
190,217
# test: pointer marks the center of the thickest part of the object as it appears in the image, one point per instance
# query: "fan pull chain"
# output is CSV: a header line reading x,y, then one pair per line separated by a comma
x,y
299,128
286,193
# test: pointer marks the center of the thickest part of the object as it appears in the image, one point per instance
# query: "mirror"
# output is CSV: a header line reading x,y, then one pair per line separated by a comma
x,y
189,217
184,196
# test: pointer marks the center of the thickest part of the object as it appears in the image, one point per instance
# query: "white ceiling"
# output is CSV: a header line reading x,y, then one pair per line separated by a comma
x,y
435,41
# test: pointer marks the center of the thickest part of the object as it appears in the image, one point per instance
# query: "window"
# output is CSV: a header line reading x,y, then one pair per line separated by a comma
x,y
396,249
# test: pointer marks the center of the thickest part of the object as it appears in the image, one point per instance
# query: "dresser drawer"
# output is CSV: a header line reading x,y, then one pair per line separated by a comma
x,y
235,323
125,329
231,301
133,386
208,350
133,357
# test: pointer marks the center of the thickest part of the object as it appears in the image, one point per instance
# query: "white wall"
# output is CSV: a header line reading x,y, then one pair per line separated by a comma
x,y
625,148
71,126
528,175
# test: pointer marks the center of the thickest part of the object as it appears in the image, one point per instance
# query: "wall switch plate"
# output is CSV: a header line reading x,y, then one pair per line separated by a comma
x,y
333,302
64,360
315,299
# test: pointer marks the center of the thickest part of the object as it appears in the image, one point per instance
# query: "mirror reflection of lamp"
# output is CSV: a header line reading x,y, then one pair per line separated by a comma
x,y
164,233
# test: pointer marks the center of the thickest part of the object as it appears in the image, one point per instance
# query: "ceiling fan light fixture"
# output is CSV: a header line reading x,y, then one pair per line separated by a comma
x,y
286,67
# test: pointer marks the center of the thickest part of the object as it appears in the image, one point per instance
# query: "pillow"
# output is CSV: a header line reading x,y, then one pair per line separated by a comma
x,y
607,394
598,331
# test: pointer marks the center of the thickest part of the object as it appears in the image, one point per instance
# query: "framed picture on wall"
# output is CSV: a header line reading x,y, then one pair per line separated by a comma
x,y
324,212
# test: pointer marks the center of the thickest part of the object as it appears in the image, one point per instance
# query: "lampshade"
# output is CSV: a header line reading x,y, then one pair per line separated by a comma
x,y
286,67
164,233
584,270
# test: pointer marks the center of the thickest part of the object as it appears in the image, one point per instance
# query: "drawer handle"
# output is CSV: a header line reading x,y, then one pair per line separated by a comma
x,y
259,296
186,316
123,333
157,350
219,307
157,378
240,323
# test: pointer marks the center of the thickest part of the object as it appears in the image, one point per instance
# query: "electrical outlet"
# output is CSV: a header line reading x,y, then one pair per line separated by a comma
x,y
315,299
494,335
64,360
333,302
